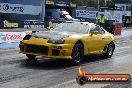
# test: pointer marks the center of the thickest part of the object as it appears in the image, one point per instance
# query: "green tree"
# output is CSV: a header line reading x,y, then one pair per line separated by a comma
x,y
128,1
94,3
89,2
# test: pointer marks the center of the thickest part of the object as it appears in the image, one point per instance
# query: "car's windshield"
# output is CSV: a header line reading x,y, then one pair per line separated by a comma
x,y
68,16
72,27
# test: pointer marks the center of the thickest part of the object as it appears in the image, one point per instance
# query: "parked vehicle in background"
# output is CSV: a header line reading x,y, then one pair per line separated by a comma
x,y
55,16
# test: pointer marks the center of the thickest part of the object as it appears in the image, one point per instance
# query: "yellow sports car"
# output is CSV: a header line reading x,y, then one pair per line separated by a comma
x,y
69,41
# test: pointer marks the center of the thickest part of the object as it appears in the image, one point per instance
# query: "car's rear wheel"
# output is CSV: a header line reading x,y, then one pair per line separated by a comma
x,y
31,57
77,53
109,51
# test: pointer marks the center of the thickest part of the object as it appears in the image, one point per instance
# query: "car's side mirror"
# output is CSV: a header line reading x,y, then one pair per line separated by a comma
x,y
94,32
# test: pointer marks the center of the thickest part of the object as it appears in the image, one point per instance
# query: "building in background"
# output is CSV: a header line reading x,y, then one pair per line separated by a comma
x,y
30,13
13,13
125,9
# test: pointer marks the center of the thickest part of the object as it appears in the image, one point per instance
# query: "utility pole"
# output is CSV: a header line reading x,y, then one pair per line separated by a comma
x,y
105,2
98,5
43,4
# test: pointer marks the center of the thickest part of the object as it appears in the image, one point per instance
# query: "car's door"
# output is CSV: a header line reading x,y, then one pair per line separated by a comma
x,y
104,38
96,39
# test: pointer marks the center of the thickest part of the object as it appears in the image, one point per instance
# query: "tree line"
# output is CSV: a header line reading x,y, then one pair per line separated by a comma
x,y
94,3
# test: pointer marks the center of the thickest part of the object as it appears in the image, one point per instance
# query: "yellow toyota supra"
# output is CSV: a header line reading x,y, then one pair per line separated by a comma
x,y
69,41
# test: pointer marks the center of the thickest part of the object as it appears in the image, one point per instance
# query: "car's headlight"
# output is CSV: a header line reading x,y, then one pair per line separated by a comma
x,y
59,41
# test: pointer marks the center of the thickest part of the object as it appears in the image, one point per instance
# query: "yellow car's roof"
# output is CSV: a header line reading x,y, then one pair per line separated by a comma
x,y
86,23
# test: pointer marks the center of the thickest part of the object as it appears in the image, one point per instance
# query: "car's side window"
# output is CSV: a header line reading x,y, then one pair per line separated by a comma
x,y
97,28
101,31
93,28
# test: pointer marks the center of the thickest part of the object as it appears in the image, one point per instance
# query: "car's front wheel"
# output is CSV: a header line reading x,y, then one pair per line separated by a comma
x,y
77,53
109,51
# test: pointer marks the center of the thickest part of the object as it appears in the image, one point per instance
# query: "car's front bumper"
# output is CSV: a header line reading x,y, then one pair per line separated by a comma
x,y
62,51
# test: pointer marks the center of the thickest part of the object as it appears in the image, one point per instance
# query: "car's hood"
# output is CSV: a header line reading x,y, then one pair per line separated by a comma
x,y
53,34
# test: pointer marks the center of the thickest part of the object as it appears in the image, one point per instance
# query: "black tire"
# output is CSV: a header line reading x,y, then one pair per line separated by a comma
x,y
109,51
30,57
78,53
